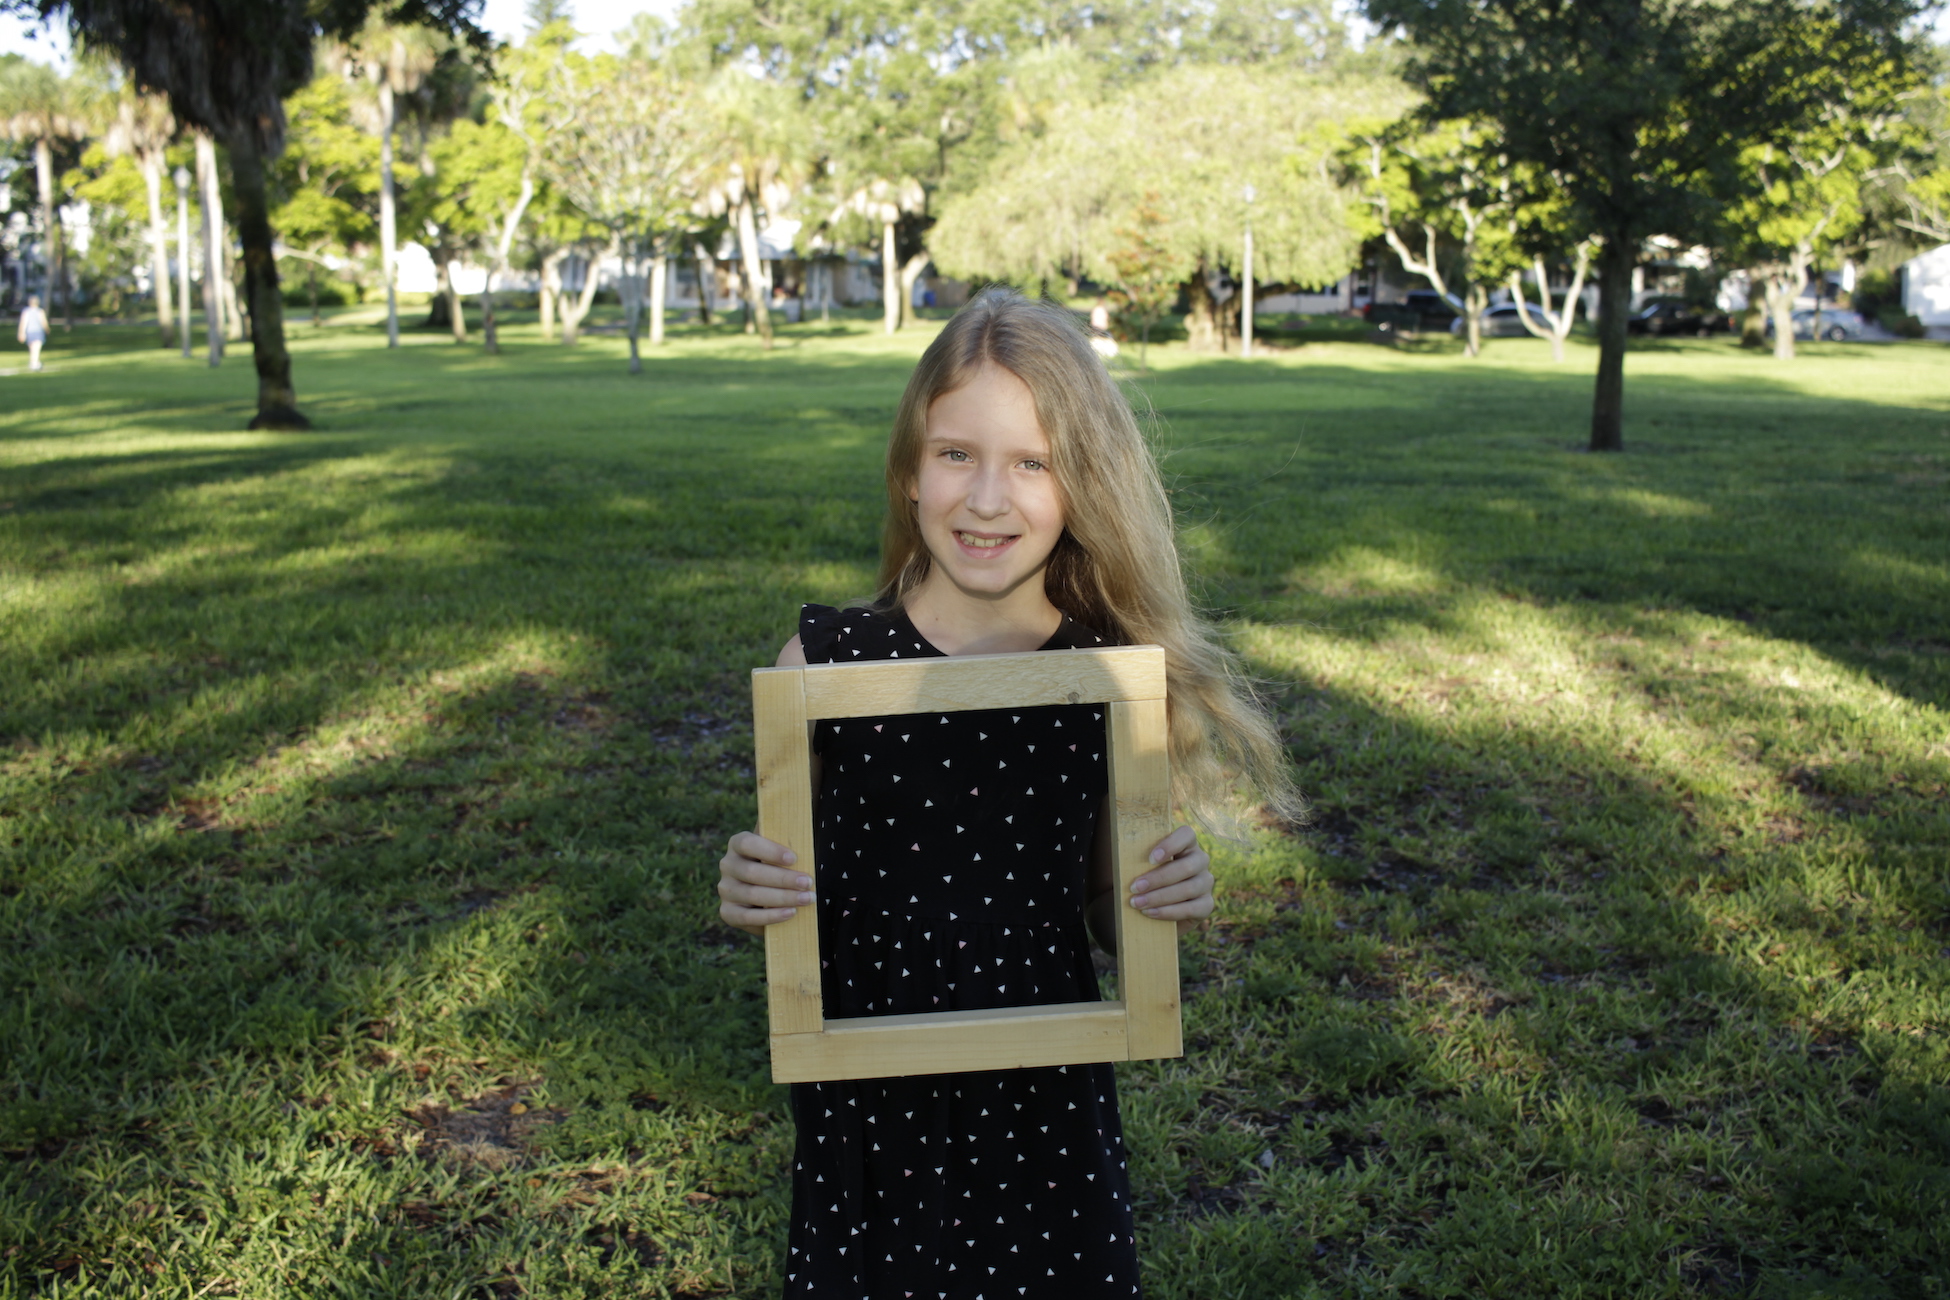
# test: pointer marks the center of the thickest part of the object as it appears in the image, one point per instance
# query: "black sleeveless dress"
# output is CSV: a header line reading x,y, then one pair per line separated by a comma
x,y
951,874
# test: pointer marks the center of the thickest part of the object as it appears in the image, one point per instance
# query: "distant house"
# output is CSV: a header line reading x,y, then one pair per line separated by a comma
x,y
1926,287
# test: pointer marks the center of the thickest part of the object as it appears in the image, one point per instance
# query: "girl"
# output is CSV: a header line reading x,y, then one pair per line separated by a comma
x,y
32,330
959,854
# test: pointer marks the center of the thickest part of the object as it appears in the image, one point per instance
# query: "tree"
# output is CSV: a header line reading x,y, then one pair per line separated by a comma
x,y
142,129
326,178
38,106
226,67
1448,183
1807,204
1054,204
881,203
758,147
1637,111
1146,275
1558,319
394,60
628,160
486,175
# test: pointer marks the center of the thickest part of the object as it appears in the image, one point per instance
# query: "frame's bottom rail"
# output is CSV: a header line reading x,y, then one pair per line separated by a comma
x,y
880,1047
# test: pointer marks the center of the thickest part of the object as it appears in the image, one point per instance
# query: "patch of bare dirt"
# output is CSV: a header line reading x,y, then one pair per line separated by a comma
x,y
490,1131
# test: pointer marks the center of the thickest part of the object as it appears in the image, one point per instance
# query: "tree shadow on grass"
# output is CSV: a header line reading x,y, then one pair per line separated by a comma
x,y
1488,1026
357,770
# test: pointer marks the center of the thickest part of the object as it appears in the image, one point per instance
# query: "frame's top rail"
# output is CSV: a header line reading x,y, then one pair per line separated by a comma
x,y
894,686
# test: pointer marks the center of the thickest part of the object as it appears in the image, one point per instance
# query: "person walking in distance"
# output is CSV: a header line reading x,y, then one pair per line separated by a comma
x,y
32,330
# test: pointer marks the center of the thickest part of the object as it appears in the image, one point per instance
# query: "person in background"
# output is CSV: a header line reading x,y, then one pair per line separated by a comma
x,y
32,330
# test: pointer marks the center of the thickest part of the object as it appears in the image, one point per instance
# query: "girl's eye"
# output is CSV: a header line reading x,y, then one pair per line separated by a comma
x,y
954,453
1034,464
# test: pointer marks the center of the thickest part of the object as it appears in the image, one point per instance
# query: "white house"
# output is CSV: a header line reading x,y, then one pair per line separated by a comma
x,y
1926,287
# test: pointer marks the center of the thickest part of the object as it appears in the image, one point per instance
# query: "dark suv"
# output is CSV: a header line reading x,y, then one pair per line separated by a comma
x,y
1676,316
1423,310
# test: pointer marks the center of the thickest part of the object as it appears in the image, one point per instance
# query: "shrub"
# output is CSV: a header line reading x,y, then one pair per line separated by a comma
x,y
1900,323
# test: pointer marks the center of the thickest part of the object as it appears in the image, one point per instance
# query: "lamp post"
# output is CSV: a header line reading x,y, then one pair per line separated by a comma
x,y
1246,307
182,179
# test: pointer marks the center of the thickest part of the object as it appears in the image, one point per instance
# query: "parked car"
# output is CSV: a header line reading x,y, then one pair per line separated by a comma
x,y
1502,322
1423,309
1838,324
1676,316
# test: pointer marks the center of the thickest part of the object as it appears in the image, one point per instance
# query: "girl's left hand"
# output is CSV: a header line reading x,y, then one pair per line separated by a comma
x,y
1178,887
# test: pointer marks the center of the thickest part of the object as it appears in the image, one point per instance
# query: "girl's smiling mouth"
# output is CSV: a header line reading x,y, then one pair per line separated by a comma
x,y
984,543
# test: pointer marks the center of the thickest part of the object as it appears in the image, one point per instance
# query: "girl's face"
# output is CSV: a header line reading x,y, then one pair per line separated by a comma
x,y
987,503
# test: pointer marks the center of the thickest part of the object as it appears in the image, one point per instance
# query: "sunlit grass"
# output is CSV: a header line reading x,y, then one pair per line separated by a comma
x,y
360,793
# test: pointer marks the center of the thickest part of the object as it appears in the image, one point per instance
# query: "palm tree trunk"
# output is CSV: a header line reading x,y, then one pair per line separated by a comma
x,y
388,222
659,270
890,293
277,401
206,171
151,164
707,284
748,245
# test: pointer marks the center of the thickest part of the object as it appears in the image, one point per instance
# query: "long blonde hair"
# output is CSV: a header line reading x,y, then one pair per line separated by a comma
x,y
1116,567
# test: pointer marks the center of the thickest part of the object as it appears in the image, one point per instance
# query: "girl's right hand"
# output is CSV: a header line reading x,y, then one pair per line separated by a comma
x,y
756,885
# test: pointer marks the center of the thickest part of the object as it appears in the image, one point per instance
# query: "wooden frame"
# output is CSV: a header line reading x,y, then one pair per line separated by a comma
x,y
1144,1024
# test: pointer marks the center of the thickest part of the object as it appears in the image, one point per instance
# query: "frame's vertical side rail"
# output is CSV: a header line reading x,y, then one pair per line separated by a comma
x,y
785,815
1147,965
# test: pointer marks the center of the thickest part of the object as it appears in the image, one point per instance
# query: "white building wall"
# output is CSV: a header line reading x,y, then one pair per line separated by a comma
x,y
1926,286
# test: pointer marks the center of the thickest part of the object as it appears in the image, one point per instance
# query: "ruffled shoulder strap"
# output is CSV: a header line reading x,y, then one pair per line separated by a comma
x,y
819,628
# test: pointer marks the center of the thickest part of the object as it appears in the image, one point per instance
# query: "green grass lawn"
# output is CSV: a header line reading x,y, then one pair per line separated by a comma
x,y
361,793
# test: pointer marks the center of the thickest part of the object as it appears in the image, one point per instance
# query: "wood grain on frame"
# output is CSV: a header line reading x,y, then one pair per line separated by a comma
x,y
783,754
1130,682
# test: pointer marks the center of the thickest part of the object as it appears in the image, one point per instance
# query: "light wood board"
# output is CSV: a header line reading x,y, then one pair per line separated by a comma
x,y
1145,1024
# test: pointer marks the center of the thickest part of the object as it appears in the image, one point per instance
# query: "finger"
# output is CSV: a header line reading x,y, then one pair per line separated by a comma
x,y
1185,891
755,915
1174,844
749,844
747,872
1197,910
1172,872
743,895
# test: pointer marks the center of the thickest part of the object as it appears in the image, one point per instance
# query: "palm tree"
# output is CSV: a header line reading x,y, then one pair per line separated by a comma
x,y
883,202
227,67
394,60
40,106
143,127
760,152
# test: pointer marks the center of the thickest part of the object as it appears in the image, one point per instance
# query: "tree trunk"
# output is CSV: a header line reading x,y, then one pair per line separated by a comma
x,y
277,403
551,290
456,307
53,255
1614,306
151,163
489,339
576,309
206,171
748,245
707,284
183,270
890,301
629,288
1753,325
659,270
1202,327
909,274
388,224
1475,299
1780,306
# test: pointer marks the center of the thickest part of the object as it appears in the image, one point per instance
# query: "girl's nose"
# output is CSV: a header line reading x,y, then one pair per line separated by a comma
x,y
988,495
